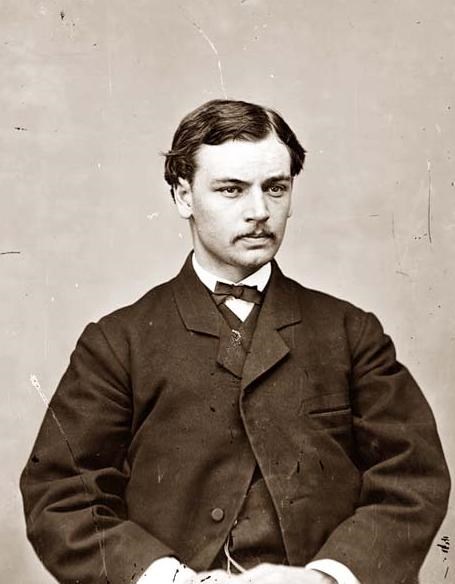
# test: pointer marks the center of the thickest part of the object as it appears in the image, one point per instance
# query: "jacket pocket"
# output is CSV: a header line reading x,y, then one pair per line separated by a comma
x,y
326,404
328,410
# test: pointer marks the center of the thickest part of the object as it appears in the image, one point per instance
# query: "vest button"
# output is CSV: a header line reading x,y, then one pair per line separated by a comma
x,y
217,514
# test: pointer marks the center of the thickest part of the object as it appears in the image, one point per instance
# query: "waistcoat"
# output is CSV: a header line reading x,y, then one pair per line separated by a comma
x,y
255,536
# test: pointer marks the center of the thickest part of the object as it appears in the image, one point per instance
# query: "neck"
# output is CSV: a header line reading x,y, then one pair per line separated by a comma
x,y
226,271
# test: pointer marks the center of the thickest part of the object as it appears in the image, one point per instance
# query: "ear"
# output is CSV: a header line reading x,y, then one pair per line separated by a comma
x,y
290,204
183,198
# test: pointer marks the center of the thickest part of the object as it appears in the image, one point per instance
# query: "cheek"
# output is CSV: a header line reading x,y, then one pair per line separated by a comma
x,y
281,216
218,219
211,225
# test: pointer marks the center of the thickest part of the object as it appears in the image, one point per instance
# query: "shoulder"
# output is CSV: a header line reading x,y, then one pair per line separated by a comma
x,y
154,300
322,302
331,315
128,324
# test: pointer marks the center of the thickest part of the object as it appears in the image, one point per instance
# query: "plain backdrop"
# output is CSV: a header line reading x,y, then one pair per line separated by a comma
x,y
91,92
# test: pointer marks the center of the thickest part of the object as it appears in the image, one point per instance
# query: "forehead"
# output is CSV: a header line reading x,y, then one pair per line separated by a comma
x,y
243,160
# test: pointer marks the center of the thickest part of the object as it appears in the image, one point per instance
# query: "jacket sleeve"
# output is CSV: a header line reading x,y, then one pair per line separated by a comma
x,y
405,481
74,482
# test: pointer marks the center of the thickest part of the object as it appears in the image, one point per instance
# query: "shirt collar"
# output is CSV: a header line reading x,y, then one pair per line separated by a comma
x,y
259,278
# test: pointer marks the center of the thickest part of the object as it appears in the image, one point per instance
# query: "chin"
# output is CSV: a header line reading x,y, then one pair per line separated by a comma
x,y
256,260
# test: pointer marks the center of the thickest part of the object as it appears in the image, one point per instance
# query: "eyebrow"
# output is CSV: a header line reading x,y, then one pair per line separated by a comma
x,y
225,180
268,181
277,178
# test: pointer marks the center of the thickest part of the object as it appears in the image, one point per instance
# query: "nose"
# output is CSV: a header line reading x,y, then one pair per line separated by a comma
x,y
257,207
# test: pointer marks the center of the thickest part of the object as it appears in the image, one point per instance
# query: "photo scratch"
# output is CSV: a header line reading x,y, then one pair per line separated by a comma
x,y
109,45
395,243
99,531
429,202
396,247
109,71
215,51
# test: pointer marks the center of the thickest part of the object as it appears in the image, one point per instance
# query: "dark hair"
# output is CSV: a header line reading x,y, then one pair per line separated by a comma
x,y
220,120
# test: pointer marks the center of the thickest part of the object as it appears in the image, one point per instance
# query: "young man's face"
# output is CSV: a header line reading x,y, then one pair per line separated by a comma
x,y
238,204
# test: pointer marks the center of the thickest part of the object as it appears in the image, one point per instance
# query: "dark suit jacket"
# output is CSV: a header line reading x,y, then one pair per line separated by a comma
x,y
147,434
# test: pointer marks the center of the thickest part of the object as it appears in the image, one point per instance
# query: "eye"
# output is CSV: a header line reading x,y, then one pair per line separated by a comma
x,y
229,190
276,190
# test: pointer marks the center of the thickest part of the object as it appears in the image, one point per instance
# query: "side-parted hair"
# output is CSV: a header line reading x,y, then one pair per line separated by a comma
x,y
220,120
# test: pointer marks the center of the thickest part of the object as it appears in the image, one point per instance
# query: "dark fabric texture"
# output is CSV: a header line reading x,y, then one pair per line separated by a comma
x,y
255,536
148,433
240,338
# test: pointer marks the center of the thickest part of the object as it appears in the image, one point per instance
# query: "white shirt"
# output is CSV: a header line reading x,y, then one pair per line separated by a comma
x,y
239,307
169,570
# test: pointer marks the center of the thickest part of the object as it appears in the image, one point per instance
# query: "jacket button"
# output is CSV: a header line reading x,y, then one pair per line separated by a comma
x,y
217,514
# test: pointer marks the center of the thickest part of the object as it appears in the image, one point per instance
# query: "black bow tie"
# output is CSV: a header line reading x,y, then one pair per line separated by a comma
x,y
247,293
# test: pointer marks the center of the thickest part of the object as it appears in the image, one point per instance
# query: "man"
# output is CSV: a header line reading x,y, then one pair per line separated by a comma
x,y
232,424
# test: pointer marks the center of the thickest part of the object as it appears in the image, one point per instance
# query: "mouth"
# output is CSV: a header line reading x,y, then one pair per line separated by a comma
x,y
257,236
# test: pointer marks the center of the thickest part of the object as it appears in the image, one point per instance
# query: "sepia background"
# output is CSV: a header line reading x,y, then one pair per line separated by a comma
x,y
90,94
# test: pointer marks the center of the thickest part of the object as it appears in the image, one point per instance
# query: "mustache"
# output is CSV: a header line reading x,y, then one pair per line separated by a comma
x,y
264,232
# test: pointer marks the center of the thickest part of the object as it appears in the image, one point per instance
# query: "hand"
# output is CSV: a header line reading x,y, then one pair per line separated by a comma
x,y
276,574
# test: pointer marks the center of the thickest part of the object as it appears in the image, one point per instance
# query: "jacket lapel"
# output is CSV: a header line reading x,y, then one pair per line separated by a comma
x,y
196,308
280,309
200,314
